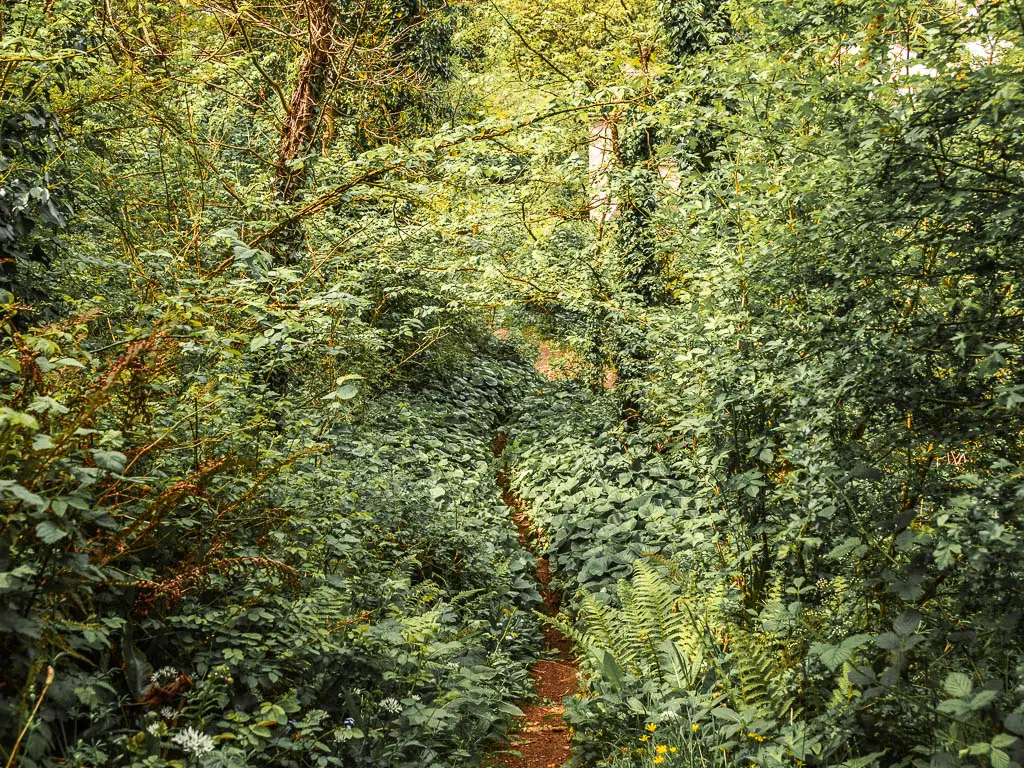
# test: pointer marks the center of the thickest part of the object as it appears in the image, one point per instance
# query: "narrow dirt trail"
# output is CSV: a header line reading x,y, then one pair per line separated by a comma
x,y
541,738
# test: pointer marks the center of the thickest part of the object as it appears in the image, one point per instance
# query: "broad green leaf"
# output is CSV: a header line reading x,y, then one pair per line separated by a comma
x,y
1014,723
137,668
958,685
907,622
42,442
863,762
113,461
27,496
49,532
348,391
999,758
833,656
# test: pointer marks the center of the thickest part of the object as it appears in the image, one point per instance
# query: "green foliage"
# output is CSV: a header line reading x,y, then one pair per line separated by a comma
x,y
270,602
336,611
821,427
693,27
33,205
251,260
249,509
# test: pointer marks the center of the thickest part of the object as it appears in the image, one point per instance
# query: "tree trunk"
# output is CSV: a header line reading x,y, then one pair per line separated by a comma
x,y
304,106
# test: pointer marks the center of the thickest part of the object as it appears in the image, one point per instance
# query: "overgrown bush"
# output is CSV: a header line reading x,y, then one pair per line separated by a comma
x,y
173,587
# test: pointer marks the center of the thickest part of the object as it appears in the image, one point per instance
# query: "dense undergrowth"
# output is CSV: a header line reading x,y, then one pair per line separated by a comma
x,y
252,260
364,601
824,666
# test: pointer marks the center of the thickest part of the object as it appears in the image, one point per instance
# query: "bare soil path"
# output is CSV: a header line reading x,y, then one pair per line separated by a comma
x,y
541,738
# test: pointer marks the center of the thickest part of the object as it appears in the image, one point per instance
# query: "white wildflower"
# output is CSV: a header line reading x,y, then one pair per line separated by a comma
x,y
168,713
391,704
668,714
163,676
156,728
194,742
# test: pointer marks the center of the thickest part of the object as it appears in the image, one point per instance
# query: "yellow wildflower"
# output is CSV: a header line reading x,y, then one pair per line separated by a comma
x,y
661,749
652,727
658,760
695,727
645,737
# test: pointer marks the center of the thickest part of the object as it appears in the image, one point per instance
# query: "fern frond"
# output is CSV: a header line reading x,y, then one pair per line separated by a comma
x,y
759,680
653,634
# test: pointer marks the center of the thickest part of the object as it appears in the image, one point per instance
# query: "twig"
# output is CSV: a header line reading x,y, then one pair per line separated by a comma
x,y
329,197
28,723
530,48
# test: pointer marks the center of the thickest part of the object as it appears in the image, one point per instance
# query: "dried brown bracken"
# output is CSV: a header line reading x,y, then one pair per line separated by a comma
x,y
158,695
172,590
